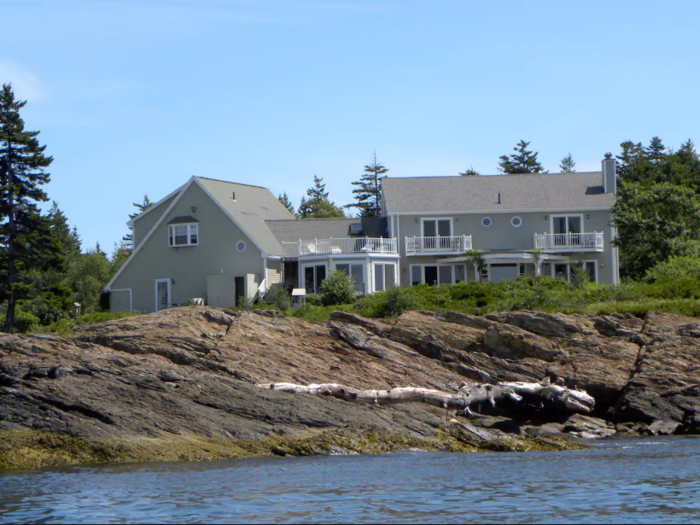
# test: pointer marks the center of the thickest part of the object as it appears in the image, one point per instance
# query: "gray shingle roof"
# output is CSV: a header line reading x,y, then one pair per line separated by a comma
x,y
290,231
252,207
550,191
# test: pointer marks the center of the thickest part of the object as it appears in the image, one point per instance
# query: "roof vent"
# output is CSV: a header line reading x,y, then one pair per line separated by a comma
x,y
233,197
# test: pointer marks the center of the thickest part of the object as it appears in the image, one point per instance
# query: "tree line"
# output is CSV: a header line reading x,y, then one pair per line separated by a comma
x,y
44,269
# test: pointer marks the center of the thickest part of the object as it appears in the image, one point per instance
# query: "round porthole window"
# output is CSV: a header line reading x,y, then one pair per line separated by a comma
x,y
486,221
516,221
241,246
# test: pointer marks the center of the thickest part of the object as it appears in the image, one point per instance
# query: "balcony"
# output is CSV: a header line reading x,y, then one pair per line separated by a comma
x,y
569,242
359,246
438,245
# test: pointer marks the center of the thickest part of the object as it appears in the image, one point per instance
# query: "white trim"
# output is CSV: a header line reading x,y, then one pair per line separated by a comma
x,y
513,223
188,225
131,309
437,265
230,216
245,247
374,273
148,235
574,263
302,276
567,215
170,296
161,201
436,219
486,225
499,211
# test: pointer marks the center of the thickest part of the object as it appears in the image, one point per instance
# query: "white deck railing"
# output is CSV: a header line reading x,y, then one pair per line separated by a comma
x,y
357,245
432,245
569,241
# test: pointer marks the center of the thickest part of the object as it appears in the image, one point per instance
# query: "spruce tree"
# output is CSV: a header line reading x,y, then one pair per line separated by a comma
x,y
284,199
522,161
23,231
567,164
318,206
128,239
368,193
656,151
471,172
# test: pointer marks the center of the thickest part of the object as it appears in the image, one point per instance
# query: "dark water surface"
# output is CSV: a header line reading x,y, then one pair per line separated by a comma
x,y
654,480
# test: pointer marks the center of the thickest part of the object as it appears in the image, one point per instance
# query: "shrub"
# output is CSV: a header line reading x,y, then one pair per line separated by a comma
x,y
244,304
278,298
313,300
338,288
24,321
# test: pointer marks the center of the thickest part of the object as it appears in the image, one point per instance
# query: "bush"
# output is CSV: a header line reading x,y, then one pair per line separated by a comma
x,y
338,288
244,304
48,314
313,300
24,321
278,298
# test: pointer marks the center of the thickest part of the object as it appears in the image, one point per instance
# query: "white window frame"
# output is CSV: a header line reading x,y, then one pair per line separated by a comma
x,y
553,273
170,297
350,265
422,272
512,223
312,265
422,225
486,225
374,275
190,226
567,215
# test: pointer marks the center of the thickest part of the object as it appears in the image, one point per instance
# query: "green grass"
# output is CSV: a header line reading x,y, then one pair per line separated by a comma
x,y
525,293
66,327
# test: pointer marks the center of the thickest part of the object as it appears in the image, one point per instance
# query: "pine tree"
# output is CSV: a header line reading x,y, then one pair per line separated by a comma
x,y
471,172
656,151
23,230
284,199
522,161
567,164
129,237
368,193
318,206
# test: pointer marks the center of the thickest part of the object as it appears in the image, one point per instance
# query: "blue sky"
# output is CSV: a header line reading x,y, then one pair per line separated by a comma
x,y
133,97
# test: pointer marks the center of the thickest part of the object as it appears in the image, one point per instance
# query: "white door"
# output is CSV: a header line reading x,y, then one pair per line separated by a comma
x,y
162,294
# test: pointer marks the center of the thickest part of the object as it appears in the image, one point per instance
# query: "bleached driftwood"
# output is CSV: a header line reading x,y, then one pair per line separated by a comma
x,y
476,397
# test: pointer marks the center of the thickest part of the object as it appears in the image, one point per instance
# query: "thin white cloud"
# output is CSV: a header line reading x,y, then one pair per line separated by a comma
x,y
25,84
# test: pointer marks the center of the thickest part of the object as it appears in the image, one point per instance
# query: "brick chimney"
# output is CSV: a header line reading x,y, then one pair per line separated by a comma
x,y
609,175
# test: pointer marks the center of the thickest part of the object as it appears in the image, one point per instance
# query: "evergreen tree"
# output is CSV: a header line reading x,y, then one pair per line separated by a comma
x,y
471,172
318,206
25,239
567,164
522,161
656,151
368,193
631,152
129,237
284,199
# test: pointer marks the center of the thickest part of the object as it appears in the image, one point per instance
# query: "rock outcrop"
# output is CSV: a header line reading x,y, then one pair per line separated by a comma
x,y
195,370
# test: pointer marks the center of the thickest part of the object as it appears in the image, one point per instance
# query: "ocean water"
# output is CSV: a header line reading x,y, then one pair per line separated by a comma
x,y
652,480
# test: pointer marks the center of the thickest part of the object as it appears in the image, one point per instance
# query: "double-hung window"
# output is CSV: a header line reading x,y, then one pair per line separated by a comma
x,y
356,271
183,235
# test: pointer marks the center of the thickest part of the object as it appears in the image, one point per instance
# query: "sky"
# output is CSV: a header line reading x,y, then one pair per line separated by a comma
x,y
133,97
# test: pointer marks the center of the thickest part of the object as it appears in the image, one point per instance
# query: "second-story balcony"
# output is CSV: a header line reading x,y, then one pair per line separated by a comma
x,y
439,245
569,242
349,246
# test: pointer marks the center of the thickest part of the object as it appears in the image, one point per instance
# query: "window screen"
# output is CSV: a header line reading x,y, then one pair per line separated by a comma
x,y
390,275
378,278
357,274
445,274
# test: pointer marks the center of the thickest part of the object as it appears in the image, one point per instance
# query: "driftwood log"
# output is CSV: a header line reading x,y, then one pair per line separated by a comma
x,y
481,398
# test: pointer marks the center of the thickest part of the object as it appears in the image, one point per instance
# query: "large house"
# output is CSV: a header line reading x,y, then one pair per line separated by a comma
x,y
220,241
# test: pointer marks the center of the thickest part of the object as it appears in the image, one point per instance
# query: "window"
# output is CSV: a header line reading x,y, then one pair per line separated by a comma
x,y
183,235
486,221
516,221
241,246
431,275
313,277
356,271
436,233
567,229
565,270
384,276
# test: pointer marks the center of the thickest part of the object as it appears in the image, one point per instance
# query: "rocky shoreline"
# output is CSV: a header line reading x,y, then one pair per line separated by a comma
x,y
181,384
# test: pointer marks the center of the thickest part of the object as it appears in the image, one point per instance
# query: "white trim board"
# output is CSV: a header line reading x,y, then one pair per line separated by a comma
x,y
161,201
149,234
170,294
477,212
